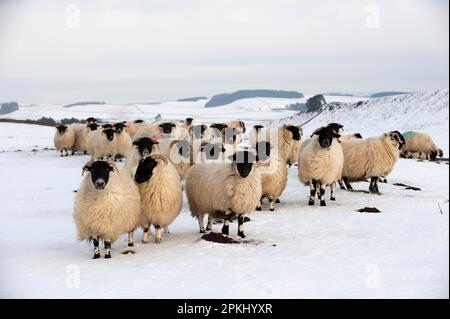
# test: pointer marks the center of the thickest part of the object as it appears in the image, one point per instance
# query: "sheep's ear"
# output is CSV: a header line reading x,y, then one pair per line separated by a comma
x,y
317,131
160,157
112,166
86,168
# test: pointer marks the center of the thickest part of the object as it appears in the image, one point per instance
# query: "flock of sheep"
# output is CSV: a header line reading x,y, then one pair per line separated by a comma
x,y
224,179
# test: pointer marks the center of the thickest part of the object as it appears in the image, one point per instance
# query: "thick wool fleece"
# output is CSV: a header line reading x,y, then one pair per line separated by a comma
x,y
370,157
110,212
161,195
321,164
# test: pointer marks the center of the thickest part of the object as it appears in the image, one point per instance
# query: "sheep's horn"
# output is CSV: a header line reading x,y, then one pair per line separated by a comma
x,y
173,143
317,130
113,165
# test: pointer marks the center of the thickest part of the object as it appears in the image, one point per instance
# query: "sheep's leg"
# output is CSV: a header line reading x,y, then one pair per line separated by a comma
x,y
258,208
96,248
62,153
341,184
210,223
226,227
201,224
67,152
347,184
241,225
271,204
373,188
107,249
146,234
322,195
73,152
333,191
158,234
312,193
277,201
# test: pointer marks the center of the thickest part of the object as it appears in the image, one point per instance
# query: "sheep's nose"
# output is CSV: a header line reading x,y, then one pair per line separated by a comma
x,y
326,143
100,184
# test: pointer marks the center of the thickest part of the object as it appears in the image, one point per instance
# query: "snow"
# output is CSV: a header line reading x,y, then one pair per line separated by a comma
x,y
302,251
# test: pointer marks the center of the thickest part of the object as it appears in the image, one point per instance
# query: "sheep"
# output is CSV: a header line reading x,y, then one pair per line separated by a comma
x,y
371,158
81,132
140,148
122,140
64,139
273,173
224,190
320,163
286,138
168,129
160,191
107,205
420,145
292,156
101,143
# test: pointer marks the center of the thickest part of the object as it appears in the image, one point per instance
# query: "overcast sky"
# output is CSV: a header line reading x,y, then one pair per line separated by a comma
x,y
129,51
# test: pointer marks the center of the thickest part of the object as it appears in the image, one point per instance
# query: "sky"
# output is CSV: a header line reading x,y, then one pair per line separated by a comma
x,y
143,51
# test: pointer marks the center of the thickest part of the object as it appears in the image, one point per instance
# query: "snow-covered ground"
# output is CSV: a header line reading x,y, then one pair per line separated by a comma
x,y
302,251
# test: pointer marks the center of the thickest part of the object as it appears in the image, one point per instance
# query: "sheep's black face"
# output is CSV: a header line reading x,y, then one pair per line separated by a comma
x,y
144,170
91,120
295,130
397,136
258,128
145,146
199,131
93,126
230,136
166,128
99,173
61,129
326,135
109,132
357,135
138,121
212,151
244,162
119,127
189,120
262,151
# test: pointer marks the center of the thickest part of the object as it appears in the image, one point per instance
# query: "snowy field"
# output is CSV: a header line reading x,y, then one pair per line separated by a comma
x,y
301,251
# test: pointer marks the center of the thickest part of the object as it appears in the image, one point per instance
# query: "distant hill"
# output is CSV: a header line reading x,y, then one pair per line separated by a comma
x,y
227,98
192,99
85,103
384,94
10,107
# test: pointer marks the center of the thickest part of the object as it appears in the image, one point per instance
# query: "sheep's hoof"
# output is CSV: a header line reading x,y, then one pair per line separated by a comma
x,y
333,198
96,256
322,203
202,231
277,201
258,208
272,209
157,240
107,256
311,203
241,234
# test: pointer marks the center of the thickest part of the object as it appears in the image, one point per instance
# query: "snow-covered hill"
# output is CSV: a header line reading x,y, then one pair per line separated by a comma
x,y
428,112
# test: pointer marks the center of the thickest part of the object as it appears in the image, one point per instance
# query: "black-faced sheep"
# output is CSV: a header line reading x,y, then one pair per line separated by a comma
x,y
320,163
122,140
107,205
224,190
371,158
101,144
64,139
420,146
160,192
